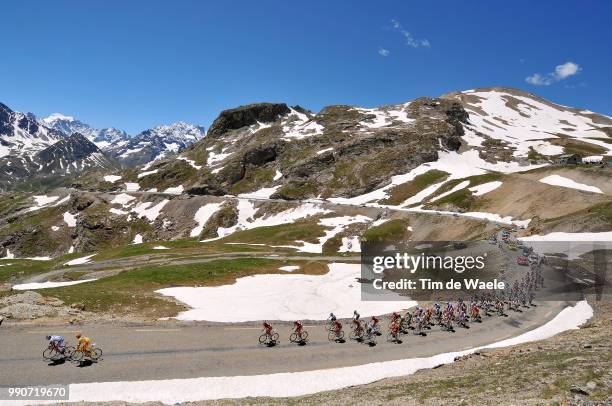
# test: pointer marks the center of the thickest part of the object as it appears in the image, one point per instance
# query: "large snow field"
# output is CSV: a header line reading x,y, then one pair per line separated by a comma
x,y
283,297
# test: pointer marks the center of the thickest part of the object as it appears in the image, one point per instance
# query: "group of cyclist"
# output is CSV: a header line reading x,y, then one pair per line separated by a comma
x,y
57,343
520,294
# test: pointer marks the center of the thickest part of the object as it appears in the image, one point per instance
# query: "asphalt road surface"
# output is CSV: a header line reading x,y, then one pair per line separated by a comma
x,y
184,350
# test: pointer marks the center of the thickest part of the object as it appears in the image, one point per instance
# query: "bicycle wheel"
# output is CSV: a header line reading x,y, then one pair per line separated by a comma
x,y
49,353
274,337
332,336
263,338
68,352
353,335
390,337
340,335
96,354
293,337
304,336
77,356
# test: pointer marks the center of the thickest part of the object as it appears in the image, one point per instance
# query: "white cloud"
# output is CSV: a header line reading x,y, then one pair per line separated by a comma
x,y
383,51
566,70
410,40
561,72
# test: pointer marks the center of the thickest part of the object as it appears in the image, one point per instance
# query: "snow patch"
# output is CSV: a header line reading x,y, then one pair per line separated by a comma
x,y
132,187
289,268
47,285
80,261
70,219
350,244
202,216
112,178
247,211
562,181
145,210
147,173
175,190
457,187
338,224
190,162
122,199
263,193
484,188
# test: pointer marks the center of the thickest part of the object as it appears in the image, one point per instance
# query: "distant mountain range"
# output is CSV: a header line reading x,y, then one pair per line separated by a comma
x,y
59,146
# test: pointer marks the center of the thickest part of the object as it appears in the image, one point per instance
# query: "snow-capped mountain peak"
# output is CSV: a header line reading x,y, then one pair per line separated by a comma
x,y
179,131
68,125
57,117
157,142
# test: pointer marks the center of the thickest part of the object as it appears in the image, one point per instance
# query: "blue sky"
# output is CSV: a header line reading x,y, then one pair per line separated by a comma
x,y
136,64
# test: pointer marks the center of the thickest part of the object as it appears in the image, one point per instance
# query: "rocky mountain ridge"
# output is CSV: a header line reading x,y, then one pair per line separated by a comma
x,y
32,149
474,159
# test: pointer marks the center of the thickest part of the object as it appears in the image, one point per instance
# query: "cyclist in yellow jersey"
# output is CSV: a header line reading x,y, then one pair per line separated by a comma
x,y
83,343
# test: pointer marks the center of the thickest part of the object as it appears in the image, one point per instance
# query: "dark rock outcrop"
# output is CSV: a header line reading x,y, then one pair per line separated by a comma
x,y
245,116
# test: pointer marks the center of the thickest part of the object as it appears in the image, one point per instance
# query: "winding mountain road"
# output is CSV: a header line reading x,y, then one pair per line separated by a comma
x,y
183,350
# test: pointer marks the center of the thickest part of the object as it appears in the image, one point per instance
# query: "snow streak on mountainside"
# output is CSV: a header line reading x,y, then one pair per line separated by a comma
x,y
526,125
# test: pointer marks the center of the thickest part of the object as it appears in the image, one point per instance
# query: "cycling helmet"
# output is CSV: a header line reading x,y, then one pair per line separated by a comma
x,y
48,337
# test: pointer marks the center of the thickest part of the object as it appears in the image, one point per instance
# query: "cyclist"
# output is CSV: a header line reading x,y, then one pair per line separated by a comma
x,y
395,329
298,327
475,313
395,316
267,328
336,326
356,315
374,321
57,343
332,317
370,328
83,343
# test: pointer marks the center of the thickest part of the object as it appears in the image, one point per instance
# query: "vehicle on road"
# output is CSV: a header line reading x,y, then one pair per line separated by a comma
x,y
522,260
